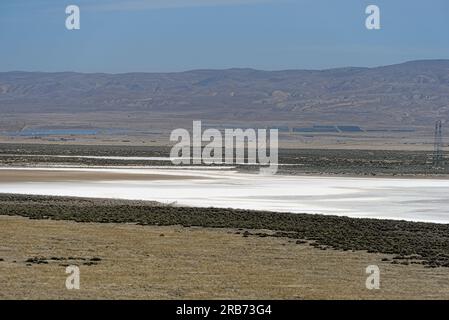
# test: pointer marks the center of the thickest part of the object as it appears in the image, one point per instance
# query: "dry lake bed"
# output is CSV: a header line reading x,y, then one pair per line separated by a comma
x,y
413,199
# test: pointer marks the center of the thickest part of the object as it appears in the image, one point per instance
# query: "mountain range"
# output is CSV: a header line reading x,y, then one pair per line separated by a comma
x,y
410,94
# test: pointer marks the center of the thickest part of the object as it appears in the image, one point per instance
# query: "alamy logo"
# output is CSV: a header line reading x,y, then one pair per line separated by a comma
x,y
73,280
72,22
372,22
373,280
240,146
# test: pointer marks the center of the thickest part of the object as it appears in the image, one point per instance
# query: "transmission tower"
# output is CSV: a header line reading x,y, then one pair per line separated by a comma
x,y
438,146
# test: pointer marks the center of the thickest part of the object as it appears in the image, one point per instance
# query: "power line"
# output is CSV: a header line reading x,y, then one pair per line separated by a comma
x,y
438,146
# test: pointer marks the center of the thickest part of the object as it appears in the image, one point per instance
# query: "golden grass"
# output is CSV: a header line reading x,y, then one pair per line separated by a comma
x,y
137,262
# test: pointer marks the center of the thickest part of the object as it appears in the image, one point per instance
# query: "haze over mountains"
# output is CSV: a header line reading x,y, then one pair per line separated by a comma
x,y
410,94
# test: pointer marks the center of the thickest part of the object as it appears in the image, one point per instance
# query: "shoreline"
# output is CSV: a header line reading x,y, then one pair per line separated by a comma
x,y
205,168
328,162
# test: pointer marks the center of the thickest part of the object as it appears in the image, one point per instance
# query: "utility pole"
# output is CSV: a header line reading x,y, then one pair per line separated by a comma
x,y
438,146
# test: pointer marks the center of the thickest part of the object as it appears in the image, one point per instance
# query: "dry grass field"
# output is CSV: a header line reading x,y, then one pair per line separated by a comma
x,y
172,262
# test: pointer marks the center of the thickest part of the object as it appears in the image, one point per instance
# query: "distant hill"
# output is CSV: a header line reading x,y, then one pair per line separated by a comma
x,y
412,93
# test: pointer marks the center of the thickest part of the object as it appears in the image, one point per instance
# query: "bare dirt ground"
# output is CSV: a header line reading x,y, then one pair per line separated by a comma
x,y
20,175
173,262
362,141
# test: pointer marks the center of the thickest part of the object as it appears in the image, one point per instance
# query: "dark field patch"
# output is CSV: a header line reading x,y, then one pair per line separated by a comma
x,y
409,242
63,261
300,161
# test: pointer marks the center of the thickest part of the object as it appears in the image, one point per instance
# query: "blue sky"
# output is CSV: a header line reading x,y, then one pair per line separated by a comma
x,y
176,35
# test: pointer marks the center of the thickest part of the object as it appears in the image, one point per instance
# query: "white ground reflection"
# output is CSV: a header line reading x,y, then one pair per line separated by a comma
x,y
409,199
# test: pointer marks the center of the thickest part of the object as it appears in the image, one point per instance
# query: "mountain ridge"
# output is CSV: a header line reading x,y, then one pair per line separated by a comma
x,y
419,61
411,93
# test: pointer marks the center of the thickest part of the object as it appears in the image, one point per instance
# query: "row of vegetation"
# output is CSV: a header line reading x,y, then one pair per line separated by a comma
x,y
300,161
404,242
